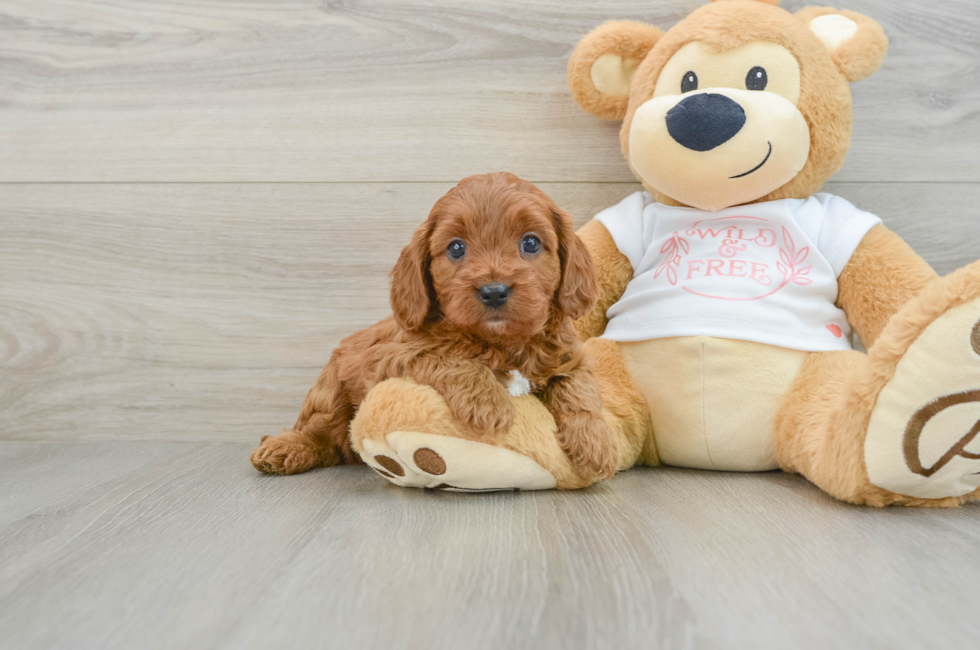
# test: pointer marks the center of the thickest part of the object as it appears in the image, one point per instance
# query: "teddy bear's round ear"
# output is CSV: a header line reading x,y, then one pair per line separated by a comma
x,y
856,43
602,66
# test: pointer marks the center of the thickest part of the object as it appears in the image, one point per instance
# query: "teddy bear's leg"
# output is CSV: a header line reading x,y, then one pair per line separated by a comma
x,y
406,433
900,425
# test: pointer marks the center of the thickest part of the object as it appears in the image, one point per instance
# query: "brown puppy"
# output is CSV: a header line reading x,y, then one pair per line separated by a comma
x,y
484,298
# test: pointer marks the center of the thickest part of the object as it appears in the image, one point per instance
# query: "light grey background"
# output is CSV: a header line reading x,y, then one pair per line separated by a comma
x,y
199,199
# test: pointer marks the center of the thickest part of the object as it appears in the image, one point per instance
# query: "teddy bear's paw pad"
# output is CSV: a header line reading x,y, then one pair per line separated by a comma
x,y
425,460
923,434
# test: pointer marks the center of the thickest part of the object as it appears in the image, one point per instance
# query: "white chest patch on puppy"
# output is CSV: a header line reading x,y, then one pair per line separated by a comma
x,y
518,385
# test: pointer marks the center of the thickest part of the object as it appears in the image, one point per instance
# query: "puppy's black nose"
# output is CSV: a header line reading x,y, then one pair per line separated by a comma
x,y
494,295
703,122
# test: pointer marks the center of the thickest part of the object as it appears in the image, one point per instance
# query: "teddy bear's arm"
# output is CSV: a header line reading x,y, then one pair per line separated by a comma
x,y
613,272
883,274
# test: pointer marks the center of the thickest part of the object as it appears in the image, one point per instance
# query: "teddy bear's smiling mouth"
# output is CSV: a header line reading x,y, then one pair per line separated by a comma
x,y
757,167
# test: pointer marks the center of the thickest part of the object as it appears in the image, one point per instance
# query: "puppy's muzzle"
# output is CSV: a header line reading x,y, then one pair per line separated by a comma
x,y
494,295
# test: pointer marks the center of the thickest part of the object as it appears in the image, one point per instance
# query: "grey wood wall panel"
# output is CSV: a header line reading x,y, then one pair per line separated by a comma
x,y
205,311
122,90
191,548
198,200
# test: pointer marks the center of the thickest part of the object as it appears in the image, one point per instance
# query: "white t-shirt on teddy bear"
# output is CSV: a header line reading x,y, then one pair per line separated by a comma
x,y
765,272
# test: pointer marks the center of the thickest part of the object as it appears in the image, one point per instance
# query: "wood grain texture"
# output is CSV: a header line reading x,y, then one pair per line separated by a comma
x,y
205,312
199,199
166,545
193,311
421,90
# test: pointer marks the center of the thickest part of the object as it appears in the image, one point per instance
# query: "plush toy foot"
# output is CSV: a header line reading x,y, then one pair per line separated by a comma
x,y
406,433
922,439
424,460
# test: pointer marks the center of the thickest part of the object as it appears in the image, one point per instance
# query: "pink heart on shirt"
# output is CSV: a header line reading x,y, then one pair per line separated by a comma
x,y
835,330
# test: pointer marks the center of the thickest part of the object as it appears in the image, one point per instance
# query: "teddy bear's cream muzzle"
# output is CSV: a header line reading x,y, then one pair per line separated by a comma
x,y
718,147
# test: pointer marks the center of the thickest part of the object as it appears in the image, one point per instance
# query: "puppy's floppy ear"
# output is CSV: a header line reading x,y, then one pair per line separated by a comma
x,y
577,291
856,43
412,292
602,66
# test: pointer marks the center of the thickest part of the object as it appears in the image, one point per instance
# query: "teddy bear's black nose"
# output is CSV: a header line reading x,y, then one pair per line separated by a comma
x,y
703,122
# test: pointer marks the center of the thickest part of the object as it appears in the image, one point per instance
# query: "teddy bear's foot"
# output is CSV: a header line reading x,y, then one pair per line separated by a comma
x,y
424,460
406,433
922,439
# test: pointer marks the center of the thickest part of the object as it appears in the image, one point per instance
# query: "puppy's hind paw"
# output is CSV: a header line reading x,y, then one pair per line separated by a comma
x,y
283,455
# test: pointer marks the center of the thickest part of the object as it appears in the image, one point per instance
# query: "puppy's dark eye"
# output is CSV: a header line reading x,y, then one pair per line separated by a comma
x,y
531,245
689,82
457,249
757,79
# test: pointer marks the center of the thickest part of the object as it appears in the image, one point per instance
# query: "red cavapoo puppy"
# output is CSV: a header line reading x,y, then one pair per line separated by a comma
x,y
488,288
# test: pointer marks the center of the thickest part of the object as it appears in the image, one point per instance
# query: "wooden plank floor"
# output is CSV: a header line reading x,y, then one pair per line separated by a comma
x,y
181,545
199,199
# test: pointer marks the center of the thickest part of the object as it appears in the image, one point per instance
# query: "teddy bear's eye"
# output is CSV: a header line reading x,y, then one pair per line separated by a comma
x,y
689,82
757,79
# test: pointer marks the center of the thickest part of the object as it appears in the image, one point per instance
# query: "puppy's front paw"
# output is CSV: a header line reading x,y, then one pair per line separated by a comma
x,y
588,442
283,455
490,417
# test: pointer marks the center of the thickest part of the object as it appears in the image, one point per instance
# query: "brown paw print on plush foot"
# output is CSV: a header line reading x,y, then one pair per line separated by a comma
x,y
923,434
422,460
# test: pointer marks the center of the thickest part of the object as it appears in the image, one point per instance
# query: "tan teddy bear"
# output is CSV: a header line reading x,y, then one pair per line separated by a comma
x,y
729,289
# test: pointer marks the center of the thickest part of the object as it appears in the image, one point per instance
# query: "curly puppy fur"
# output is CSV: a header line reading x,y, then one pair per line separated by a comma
x,y
442,333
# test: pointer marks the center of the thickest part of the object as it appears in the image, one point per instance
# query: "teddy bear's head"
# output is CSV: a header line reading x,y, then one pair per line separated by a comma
x,y
739,102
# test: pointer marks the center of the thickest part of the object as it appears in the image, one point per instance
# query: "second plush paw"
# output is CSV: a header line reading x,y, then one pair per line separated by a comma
x,y
423,460
924,434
